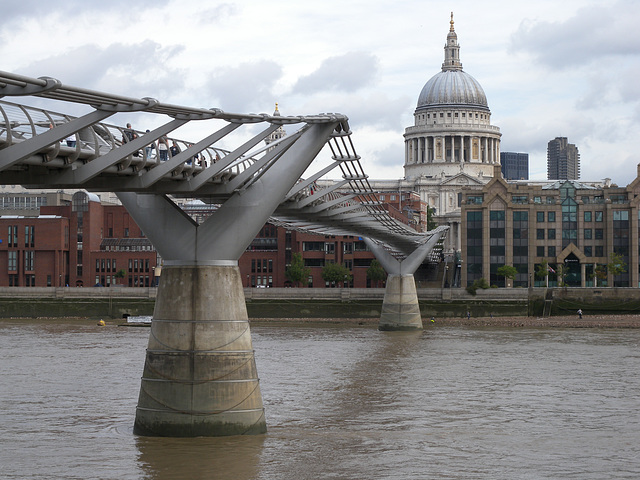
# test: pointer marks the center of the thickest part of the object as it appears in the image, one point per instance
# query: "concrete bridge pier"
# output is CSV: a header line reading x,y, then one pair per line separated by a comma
x,y
200,376
400,307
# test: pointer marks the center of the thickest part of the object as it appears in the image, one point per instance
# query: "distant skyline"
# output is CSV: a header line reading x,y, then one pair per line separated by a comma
x,y
549,69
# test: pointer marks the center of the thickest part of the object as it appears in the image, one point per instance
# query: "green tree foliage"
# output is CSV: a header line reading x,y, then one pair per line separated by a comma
x,y
375,272
431,224
120,274
297,272
616,266
479,283
507,271
335,274
561,273
542,270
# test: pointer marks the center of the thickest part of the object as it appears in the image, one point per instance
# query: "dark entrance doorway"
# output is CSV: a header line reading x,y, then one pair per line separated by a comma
x,y
572,267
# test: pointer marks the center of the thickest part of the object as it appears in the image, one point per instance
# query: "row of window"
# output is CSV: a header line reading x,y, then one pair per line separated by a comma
x,y
588,250
455,115
29,235
22,203
29,261
262,280
261,265
127,248
329,247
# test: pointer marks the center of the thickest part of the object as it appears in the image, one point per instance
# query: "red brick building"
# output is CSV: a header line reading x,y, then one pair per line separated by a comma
x,y
266,259
85,243
81,244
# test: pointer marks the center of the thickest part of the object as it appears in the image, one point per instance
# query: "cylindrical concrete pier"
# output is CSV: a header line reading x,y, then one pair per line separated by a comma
x,y
400,308
200,376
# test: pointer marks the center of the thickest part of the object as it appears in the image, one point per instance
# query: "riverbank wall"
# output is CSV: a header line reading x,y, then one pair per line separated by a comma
x,y
116,302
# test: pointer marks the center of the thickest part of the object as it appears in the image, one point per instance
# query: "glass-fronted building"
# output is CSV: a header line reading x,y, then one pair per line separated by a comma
x,y
564,228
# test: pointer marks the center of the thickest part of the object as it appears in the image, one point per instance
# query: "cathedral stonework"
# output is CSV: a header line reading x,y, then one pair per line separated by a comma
x,y
452,131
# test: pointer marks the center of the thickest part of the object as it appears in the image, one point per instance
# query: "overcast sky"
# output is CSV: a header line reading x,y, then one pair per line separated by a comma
x,y
548,68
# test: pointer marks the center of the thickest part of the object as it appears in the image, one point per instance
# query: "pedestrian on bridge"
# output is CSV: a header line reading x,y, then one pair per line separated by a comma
x,y
163,148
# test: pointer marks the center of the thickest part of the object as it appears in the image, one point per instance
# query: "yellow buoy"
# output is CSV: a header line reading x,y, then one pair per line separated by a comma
x,y
101,323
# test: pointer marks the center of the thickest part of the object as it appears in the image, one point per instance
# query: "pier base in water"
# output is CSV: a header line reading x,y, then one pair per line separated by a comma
x,y
200,376
400,308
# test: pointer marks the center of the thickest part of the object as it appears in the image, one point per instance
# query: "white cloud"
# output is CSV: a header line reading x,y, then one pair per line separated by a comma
x,y
549,69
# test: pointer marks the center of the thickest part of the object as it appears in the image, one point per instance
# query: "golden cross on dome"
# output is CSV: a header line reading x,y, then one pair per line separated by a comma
x,y
451,30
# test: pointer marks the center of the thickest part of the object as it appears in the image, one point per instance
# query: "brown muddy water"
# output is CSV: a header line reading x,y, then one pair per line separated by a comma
x,y
342,402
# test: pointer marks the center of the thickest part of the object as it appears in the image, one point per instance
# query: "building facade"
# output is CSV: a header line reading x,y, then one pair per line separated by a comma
x,y
563,160
575,225
515,166
451,145
80,244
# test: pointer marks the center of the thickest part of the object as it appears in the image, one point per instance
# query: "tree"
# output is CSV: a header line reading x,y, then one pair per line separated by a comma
x,y
335,273
375,272
297,272
507,271
616,266
431,224
542,271
561,273
120,274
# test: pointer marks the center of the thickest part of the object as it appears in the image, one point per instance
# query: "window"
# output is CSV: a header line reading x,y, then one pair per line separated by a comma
x,y
588,251
540,233
598,216
551,234
29,260
540,217
474,199
587,234
519,199
312,246
550,200
539,251
551,216
599,251
28,235
97,265
587,216
599,234
551,251
537,200
13,261
347,247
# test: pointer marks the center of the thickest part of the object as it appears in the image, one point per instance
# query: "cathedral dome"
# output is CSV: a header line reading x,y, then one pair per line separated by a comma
x,y
452,88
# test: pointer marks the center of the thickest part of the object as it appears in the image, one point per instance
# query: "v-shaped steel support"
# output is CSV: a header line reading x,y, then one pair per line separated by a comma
x,y
400,307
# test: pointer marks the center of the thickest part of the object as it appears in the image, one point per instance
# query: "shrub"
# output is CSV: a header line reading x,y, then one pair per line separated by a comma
x,y
479,283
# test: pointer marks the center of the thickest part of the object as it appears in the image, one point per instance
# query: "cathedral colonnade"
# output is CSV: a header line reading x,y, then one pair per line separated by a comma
x,y
452,149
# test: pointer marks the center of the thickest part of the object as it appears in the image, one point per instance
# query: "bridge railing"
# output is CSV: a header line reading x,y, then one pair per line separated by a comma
x,y
19,123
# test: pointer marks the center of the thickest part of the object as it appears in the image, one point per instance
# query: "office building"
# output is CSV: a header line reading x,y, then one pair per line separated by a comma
x,y
515,166
568,223
563,160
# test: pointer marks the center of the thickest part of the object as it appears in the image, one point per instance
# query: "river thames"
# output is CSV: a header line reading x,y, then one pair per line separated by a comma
x,y
342,402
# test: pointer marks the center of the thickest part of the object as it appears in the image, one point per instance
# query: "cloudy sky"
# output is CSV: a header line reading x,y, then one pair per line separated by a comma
x,y
549,68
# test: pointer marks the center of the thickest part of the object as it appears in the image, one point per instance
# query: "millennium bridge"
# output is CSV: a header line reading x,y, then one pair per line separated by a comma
x,y
200,377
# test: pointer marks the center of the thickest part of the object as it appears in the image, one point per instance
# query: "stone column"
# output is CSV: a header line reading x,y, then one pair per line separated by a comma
x,y
485,153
